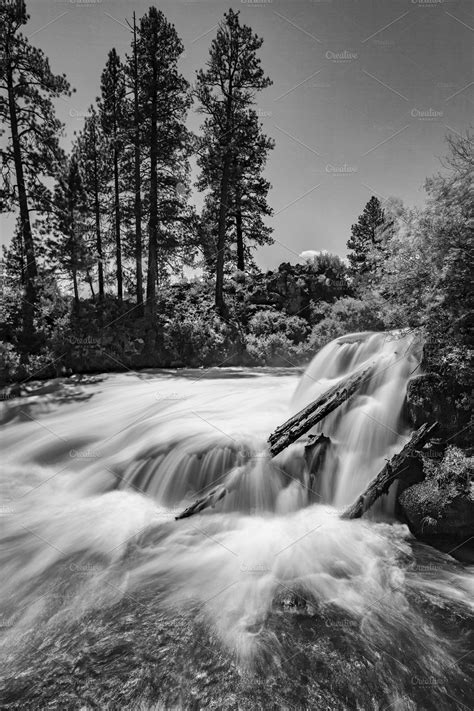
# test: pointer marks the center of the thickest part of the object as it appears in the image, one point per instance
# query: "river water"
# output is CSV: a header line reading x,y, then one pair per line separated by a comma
x,y
267,600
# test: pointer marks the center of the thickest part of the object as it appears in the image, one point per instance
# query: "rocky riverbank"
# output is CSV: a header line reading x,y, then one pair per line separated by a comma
x,y
439,507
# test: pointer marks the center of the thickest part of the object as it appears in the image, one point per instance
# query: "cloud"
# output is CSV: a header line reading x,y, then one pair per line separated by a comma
x,y
309,254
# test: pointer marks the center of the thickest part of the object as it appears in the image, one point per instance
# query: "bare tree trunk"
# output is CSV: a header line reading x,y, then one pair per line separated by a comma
x,y
137,186
77,303
223,205
118,241
91,284
221,236
30,271
153,221
118,244
100,263
237,174
239,234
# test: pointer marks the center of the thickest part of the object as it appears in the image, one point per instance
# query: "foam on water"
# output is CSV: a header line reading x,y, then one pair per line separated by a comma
x,y
92,484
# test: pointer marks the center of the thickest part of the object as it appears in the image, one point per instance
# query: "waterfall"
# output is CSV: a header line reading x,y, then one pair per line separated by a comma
x,y
370,427
186,462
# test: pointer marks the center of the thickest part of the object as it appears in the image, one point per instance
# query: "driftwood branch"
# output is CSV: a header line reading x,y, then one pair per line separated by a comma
x,y
204,502
309,416
293,429
397,468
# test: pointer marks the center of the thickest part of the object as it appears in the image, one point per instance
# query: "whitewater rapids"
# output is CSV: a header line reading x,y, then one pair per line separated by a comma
x,y
268,599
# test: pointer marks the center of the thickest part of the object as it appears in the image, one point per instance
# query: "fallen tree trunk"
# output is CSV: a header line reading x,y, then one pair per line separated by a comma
x,y
397,468
293,429
309,416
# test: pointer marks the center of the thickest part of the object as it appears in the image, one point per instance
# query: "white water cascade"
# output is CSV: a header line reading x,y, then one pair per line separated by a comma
x,y
105,597
370,427
363,432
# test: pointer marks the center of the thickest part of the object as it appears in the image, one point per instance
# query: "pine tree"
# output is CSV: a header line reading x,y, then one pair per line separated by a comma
x,y
68,249
95,166
364,235
250,188
113,120
132,74
32,153
164,101
225,89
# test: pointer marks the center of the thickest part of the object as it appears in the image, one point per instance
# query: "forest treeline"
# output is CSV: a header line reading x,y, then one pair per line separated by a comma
x,y
118,204
94,277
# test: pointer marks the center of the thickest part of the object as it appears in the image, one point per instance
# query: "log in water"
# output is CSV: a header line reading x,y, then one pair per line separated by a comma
x,y
291,430
307,418
399,467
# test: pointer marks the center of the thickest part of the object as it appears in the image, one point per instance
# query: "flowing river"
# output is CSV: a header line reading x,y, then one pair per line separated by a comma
x,y
267,600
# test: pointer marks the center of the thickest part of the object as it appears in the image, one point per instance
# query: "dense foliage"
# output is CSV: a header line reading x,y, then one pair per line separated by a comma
x,y
420,279
32,153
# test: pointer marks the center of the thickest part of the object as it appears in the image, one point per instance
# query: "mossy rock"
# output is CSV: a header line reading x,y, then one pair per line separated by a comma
x,y
440,509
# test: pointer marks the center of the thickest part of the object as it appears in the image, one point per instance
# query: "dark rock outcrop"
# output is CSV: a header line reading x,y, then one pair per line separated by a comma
x,y
294,287
430,399
440,509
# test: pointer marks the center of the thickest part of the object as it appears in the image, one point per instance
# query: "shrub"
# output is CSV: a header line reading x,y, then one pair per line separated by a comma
x,y
455,468
195,337
346,315
274,337
270,321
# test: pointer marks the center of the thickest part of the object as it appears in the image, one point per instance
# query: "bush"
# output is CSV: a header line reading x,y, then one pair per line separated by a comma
x,y
346,315
274,337
195,337
10,368
455,469
270,321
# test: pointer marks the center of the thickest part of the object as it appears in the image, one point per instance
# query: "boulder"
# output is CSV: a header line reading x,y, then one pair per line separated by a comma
x,y
440,509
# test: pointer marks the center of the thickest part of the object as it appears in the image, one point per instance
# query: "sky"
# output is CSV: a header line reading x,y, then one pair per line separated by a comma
x,y
363,95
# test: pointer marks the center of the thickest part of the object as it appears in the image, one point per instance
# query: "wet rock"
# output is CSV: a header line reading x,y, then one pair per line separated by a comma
x,y
430,399
293,602
440,509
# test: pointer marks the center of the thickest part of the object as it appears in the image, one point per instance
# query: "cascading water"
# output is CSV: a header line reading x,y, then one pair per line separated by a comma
x,y
267,600
363,432
369,427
